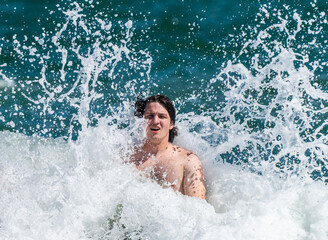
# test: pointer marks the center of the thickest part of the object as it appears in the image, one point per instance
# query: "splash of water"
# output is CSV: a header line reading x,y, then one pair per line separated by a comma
x,y
274,113
80,72
56,188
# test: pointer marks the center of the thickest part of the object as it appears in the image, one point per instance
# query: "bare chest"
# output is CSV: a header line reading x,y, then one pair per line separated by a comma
x,y
167,171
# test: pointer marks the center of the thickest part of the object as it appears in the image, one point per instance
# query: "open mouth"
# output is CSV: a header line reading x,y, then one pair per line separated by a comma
x,y
154,129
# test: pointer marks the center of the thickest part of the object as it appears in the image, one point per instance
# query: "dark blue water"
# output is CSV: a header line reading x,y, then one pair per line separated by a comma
x,y
249,81
189,50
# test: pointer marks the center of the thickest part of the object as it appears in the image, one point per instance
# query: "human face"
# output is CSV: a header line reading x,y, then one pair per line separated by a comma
x,y
159,122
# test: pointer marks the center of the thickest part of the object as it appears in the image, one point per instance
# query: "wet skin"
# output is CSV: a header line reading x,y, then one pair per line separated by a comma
x,y
168,164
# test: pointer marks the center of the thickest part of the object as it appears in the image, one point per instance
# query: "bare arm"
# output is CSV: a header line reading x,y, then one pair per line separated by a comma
x,y
194,180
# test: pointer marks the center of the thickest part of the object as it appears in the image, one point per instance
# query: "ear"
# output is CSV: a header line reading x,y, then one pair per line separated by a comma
x,y
171,125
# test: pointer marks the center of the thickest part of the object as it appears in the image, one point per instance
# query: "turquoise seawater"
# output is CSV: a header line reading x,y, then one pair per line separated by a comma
x,y
250,84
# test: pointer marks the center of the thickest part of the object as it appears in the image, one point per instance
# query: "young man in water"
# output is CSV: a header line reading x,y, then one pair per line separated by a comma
x,y
168,164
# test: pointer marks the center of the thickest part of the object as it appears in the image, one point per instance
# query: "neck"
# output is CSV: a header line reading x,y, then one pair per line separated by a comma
x,y
155,148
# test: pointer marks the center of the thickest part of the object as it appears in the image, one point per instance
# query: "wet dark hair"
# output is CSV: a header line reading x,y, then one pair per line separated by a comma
x,y
140,107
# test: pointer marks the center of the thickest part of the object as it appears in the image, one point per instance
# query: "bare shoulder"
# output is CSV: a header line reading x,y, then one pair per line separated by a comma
x,y
194,180
136,158
187,156
191,162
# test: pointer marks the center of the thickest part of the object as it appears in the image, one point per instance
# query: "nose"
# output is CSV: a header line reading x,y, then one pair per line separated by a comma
x,y
155,119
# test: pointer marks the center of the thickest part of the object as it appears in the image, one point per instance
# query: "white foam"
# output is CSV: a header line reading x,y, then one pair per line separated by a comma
x,y
56,189
52,189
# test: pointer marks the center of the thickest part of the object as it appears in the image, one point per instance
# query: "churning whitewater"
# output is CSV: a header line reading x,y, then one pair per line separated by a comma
x,y
258,123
